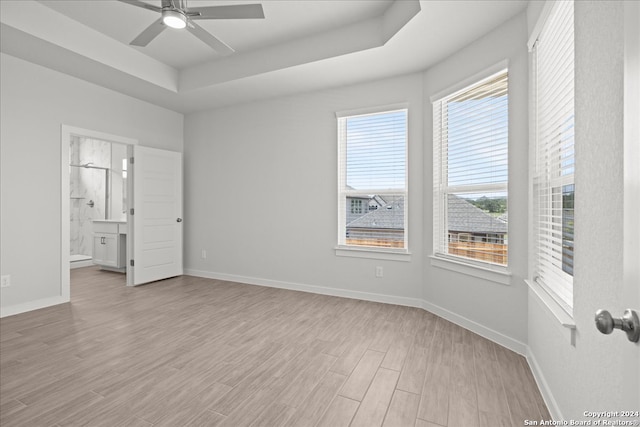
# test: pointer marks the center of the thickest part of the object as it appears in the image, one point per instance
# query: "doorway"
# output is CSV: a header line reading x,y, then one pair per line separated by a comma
x,y
94,187
98,179
153,190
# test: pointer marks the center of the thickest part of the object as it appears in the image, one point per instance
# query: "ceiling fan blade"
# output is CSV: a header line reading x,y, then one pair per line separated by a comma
x,y
150,33
238,11
142,5
215,44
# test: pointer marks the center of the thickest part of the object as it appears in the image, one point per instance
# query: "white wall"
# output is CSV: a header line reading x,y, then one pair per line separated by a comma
x,y
260,186
260,191
35,101
500,308
588,376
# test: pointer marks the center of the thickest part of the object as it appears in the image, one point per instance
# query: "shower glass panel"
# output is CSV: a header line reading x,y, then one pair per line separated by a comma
x,y
89,199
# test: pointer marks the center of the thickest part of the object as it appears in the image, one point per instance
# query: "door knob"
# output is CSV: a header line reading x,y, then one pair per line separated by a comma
x,y
628,323
179,220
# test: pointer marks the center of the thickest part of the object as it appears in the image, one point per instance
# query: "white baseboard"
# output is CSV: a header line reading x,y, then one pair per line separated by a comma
x,y
483,331
477,328
365,296
31,305
543,386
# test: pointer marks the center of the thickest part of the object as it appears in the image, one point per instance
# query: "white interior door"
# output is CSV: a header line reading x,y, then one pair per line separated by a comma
x,y
630,299
157,216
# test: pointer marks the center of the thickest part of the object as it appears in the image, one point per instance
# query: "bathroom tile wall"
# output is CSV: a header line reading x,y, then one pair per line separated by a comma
x,y
87,185
118,193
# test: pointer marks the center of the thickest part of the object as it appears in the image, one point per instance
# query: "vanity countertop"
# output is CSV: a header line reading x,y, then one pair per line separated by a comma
x,y
110,226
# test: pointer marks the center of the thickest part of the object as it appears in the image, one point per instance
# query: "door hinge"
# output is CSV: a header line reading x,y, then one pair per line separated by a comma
x,y
131,160
131,211
131,263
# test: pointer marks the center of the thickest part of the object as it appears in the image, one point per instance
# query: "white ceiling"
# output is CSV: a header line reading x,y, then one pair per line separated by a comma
x,y
301,45
285,20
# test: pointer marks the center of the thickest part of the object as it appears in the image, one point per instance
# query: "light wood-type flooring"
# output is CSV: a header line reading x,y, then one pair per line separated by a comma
x,y
189,351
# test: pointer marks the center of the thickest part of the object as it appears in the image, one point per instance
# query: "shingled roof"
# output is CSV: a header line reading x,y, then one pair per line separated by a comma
x,y
463,217
389,216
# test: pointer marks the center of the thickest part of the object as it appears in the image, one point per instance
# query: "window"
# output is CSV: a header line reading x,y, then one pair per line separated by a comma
x,y
356,206
553,168
372,180
470,136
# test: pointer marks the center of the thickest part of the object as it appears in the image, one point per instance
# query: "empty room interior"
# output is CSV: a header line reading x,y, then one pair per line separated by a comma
x,y
319,213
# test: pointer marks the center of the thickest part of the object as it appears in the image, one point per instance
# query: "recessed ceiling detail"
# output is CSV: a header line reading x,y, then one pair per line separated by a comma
x,y
299,45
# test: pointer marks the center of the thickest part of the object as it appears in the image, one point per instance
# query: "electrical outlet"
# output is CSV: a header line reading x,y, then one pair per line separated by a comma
x,y
379,272
5,281
204,254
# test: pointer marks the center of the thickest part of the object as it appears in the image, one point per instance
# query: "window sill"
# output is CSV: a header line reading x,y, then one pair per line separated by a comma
x,y
498,275
374,253
564,318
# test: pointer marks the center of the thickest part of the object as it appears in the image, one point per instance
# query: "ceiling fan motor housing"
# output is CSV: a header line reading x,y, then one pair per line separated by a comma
x,y
174,18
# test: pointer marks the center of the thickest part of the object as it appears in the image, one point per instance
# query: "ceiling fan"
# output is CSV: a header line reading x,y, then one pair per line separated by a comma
x,y
176,14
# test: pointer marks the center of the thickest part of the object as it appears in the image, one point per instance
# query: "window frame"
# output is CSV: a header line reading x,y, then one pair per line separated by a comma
x,y
491,271
361,251
558,281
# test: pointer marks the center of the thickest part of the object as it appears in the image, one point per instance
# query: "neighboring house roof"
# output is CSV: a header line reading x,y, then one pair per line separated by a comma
x,y
377,200
463,217
389,216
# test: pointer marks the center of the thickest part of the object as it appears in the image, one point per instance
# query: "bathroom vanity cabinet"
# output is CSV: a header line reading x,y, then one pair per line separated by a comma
x,y
110,245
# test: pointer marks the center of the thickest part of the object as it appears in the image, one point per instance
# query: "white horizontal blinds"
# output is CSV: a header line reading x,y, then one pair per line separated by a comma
x,y
477,134
471,171
440,138
376,151
342,179
373,175
553,181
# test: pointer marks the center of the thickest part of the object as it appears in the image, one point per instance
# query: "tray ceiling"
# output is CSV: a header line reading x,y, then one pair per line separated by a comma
x,y
300,45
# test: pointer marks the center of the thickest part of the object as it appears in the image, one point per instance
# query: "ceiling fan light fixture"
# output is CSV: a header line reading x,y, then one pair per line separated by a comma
x,y
174,19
